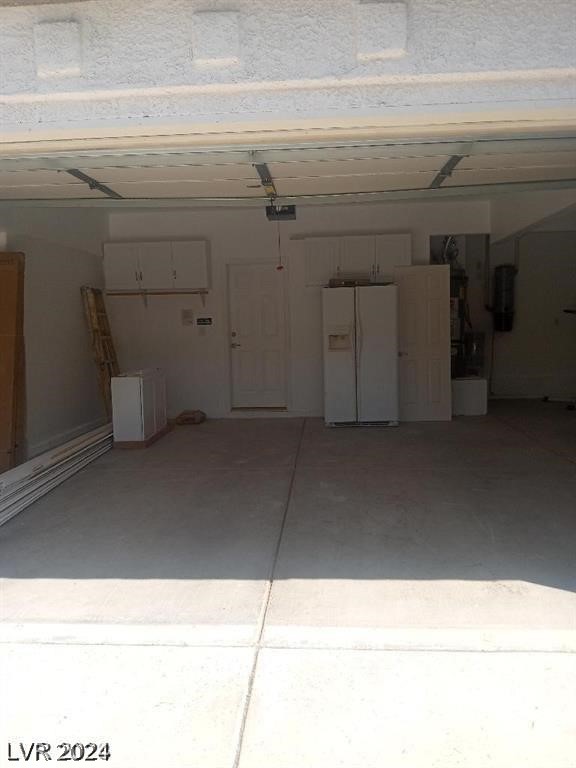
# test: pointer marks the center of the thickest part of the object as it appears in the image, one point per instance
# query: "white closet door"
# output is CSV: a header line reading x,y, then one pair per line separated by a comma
x,y
121,270
424,343
155,261
339,355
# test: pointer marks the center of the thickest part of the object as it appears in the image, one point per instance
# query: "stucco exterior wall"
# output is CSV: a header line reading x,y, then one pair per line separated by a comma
x,y
128,66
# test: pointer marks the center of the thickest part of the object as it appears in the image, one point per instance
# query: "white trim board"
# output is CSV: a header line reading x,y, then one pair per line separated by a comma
x,y
35,450
21,486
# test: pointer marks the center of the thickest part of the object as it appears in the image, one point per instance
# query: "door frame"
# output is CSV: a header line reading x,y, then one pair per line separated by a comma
x,y
263,411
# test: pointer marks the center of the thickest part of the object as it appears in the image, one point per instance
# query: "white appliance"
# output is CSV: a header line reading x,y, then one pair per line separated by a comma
x,y
469,396
360,355
139,407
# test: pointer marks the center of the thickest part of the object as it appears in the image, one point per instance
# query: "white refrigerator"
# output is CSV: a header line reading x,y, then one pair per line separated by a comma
x,y
360,355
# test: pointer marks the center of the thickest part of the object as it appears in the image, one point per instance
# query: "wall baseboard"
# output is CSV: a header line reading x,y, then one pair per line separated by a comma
x,y
269,413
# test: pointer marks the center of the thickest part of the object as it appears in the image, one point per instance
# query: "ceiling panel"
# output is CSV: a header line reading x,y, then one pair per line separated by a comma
x,y
415,150
521,159
508,175
174,173
354,184
514,146
362,152
355,167
124,158
35,178
55,192
189,189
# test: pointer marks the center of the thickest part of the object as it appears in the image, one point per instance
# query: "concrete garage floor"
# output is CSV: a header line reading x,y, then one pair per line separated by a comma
x,y
275,594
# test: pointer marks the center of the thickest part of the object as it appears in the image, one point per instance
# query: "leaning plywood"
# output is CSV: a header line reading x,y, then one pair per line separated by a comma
x,y
11,357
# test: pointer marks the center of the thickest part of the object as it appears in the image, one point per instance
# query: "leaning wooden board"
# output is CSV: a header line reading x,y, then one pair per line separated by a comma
x,y
11,358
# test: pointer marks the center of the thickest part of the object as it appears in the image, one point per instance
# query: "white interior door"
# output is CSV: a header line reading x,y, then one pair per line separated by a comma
x,y
257,336
424,343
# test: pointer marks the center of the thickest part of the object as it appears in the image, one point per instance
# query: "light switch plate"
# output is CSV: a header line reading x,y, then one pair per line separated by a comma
x,y
187,317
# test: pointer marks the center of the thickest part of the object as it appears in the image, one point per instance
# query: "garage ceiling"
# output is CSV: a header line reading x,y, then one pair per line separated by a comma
x,y
313,173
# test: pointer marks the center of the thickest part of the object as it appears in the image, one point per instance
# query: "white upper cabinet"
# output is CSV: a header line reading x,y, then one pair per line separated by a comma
x,y
160,266
156,269
367,255
321,260
190,265
392,251
121,267
357,254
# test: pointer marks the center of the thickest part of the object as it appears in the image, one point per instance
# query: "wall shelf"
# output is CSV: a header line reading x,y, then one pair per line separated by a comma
x,y
202,292
152,292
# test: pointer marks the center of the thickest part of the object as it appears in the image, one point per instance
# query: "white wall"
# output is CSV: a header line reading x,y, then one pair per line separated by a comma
x,y
511,214
63,252
197,365
538,357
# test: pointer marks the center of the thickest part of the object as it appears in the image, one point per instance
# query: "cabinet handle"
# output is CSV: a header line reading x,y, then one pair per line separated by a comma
x,y
136,276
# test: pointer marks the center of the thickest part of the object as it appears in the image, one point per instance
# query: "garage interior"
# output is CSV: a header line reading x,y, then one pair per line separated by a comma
x,y
262,528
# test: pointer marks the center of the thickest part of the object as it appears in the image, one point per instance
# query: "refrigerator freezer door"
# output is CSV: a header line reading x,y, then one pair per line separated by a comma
x,y
377,353
339,340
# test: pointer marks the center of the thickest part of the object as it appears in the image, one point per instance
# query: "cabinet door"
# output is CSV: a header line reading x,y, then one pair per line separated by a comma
x,y
190,264
160,416
148,401
121,269
155,261
392,251
321,260
357,254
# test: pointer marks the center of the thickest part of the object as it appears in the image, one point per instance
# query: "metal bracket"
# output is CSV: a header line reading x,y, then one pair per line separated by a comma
x,y
93,183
